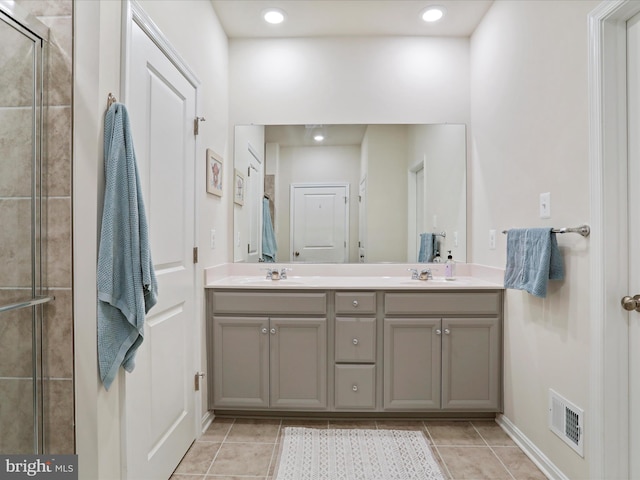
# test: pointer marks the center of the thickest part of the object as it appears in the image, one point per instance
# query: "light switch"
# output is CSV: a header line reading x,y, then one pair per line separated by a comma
x,y
545,205
213,239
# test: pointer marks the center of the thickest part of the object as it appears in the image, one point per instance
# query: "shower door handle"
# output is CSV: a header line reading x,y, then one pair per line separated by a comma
x,y
26,303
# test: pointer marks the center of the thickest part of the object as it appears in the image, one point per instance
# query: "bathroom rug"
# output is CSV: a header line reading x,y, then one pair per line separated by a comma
x,y
353,454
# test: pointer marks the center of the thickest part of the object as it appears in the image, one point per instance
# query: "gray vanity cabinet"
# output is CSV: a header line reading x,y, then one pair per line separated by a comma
x,y
443,351
276,361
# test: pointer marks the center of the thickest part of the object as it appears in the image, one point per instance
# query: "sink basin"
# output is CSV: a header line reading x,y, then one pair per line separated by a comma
x,y
434,281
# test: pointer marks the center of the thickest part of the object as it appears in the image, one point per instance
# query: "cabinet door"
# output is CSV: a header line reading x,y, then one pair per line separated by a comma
x,y
298,363
411,363
241,362
471,364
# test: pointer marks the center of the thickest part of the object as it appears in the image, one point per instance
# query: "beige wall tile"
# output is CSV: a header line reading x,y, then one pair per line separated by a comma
x,y
15,242
15,151
57,337
57,160
58,233
47,7
15,337
58,417
16,75
16,416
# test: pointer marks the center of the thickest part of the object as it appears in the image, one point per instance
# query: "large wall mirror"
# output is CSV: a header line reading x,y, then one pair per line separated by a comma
x,y
349,193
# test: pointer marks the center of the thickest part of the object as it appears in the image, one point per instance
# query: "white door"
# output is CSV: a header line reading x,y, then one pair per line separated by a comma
x,y
159,394
254,193
319,223
362,222
633,92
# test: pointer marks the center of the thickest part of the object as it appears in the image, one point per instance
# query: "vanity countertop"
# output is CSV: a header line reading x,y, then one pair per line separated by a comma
x,y
353,277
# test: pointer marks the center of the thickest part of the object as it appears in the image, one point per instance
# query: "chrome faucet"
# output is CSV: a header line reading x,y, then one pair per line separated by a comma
x,y
424,274
274,274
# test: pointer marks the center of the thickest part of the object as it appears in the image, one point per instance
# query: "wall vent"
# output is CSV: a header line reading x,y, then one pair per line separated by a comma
x,y
565,420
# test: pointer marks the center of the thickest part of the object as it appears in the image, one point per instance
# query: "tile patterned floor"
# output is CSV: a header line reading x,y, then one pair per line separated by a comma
x,y
246,449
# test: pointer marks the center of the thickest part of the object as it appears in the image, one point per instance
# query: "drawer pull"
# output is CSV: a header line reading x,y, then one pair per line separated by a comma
x,y
273,331
447,331
265,330
355,303
355,341
355,388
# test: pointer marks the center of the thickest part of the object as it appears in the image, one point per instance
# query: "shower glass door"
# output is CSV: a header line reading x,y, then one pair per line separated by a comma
x,y
21,206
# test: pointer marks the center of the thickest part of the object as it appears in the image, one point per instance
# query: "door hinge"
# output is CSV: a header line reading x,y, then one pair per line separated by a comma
x,y
248,248
196,124
248,171
345,200
360,198
196,382
195,254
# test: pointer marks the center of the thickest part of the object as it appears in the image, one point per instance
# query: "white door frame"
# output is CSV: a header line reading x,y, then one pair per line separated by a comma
x,y
412,211
609,355
133,12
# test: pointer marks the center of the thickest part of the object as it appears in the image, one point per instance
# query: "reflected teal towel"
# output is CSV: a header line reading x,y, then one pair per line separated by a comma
x,y
428,246
127,286
533,258
269,245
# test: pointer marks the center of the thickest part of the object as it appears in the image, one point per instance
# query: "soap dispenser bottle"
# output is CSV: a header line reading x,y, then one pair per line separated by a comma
x,y
437,258
449,267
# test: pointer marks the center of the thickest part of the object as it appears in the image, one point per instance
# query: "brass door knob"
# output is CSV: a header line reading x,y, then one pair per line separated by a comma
x,y
631,303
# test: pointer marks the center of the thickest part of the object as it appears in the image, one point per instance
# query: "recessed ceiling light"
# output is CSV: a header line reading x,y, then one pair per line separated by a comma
x,y
273,15
318,137
433,13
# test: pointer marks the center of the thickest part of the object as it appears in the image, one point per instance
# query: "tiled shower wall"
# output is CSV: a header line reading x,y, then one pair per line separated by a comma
x,y
16,416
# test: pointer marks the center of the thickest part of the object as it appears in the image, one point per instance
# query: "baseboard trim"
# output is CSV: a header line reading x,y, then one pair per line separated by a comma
x,y
206,420
530,450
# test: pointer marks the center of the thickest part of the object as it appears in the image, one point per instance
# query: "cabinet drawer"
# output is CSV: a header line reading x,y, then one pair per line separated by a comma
x,y
442,303
355,387
355,340
266,303
353,303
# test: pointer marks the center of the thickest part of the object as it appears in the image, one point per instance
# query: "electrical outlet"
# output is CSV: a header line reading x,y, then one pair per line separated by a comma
x,y
545,205
212,239
492,239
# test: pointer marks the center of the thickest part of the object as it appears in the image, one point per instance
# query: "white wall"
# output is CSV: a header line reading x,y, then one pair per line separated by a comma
x,y
188,25
349,80
530,135
386,181
443,148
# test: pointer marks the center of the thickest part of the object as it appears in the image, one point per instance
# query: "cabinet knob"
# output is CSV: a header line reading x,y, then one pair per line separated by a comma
x,y
355,388
265,330
438,331
447,331
355,303
355,341
273,331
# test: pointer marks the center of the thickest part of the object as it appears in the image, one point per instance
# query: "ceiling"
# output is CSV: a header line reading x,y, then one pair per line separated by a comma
x,y
322,18
302,135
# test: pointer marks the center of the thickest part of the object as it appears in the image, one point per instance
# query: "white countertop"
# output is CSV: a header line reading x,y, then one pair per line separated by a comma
x,y
351,277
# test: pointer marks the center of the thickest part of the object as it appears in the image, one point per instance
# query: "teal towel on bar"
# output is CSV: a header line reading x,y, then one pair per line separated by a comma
x,y
533,258
428,247
127,286
269,245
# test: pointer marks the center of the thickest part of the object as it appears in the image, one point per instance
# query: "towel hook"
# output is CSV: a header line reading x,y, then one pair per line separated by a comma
x,y
111,99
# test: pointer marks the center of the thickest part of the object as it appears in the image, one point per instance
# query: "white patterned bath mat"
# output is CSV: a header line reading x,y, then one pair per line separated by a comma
x,y
351,454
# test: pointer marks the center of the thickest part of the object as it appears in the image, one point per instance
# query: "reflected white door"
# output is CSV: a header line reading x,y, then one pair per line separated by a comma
x,y
319,223
254,193
362,221
633,71
159,395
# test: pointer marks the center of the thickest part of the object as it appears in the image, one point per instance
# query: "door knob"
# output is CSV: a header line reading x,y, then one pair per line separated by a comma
x,y
631,303
297,254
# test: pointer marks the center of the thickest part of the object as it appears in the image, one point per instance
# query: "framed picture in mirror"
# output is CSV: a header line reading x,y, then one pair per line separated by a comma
x,y
238,188
214,173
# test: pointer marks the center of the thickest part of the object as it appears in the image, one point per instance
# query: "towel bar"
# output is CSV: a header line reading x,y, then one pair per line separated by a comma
x,y
583,230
